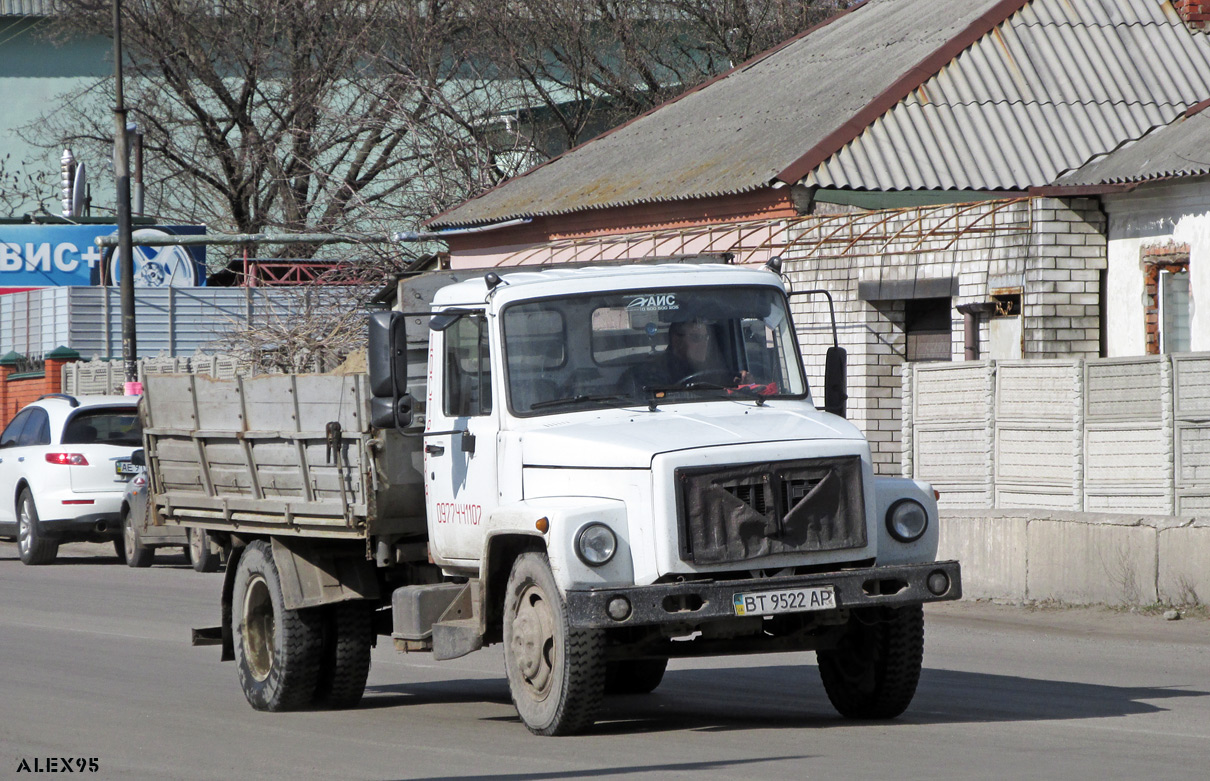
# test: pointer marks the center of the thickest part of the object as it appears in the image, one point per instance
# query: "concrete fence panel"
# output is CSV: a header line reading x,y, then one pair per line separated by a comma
x,y
952,419
1121,435
1035,435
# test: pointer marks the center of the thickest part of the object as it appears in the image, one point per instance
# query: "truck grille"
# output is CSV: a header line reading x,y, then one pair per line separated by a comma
x,y
746,511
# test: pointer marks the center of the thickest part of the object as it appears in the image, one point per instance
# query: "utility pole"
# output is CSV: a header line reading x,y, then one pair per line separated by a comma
x,y
121,171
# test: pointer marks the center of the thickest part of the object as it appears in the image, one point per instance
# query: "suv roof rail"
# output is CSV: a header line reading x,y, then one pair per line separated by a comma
x,y
66,397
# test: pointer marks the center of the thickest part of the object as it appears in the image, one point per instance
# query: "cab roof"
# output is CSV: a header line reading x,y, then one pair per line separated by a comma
x,y
527,284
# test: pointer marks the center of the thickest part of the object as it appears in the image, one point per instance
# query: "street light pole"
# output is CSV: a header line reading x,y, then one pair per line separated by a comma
x,y
121,170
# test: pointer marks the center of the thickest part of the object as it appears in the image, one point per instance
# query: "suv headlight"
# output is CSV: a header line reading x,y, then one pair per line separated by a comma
x,y
906,520
595,544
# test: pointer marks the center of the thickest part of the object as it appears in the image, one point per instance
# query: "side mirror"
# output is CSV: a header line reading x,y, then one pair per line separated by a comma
x,y
387,354
138,458
835,381
387,359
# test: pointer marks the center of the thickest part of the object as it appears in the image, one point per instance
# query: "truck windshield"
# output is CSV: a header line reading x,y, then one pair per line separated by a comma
x,y
636,347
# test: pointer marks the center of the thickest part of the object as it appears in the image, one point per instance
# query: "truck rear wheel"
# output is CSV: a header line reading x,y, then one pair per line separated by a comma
x,y
634,676
277,651
873,671
556,674
348,638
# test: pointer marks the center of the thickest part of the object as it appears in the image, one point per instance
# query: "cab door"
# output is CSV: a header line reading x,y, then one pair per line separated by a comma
x,y
460,436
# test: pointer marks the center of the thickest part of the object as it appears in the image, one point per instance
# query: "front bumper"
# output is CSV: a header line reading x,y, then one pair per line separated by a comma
x,y
696,601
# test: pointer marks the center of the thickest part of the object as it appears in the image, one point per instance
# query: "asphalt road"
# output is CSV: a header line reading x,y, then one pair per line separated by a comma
x,y
95,663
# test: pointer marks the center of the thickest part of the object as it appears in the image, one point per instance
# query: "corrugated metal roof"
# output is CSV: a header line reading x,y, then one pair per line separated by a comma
x,y
739,132
1179,149
1058,83
26,7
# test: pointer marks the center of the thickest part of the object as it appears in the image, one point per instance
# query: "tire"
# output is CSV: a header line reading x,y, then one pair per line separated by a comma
x,y
345,665
31,545
277,651
556,674
137,554
634,676
201,552
119,547
873,671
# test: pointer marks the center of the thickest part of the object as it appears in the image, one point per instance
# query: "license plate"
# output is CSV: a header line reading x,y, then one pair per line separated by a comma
x,y
126,468
791,600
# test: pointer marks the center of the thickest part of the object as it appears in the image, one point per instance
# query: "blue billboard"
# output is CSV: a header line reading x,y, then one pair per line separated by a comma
x,y
67,255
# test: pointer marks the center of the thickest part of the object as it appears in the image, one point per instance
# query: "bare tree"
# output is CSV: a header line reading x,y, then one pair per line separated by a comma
x,y
588,65
311,116
19,186
322,328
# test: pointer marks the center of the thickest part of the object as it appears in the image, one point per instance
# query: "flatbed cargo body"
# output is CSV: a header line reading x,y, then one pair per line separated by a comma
x,y
289,454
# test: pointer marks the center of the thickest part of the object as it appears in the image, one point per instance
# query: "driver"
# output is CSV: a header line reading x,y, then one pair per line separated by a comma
x,y
691,351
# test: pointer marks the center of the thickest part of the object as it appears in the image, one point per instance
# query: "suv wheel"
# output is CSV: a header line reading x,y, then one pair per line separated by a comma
x,y
33,547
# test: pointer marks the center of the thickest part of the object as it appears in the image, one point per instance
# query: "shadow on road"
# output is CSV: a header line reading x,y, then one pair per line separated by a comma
x,y
69,558
623,770
791,697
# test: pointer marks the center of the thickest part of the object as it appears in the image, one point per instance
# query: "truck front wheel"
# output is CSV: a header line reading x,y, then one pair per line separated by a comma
x,y
556,674
873,671
277,651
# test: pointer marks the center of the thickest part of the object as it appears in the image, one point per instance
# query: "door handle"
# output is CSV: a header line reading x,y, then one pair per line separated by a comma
x,y
434,450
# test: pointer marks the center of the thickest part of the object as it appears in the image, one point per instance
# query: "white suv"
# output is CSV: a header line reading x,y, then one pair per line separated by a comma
x,y
64,464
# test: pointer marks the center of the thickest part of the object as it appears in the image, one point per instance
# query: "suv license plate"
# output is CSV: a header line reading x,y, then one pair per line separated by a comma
x,y
126,469
793,600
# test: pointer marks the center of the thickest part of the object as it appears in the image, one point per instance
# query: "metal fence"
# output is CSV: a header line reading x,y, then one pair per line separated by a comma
x,y
1097,435
175,321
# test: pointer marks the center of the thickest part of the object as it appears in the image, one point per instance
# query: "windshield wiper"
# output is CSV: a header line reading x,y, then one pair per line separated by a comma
x,y
689,386
580,399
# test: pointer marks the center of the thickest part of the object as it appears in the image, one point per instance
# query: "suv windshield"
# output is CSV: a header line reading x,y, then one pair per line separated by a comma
x,y
104,427
667,345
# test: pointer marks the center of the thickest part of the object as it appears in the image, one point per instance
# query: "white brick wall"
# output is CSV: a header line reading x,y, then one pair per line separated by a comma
x,y
1052,251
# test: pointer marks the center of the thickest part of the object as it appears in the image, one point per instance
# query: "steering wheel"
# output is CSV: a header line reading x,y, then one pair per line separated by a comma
x,y
723,377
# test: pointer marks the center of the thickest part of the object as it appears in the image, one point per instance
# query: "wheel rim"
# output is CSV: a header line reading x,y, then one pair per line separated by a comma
x,y
196,548
258,628
24,529
533,641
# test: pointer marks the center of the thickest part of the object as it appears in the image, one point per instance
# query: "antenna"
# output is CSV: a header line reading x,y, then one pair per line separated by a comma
x,y
79,191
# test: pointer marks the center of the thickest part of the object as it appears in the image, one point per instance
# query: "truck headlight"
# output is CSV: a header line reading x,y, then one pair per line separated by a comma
x,y
906,520
595,544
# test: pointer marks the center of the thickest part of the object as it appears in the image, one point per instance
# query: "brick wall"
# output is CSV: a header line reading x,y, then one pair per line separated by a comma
x,y
1195,13
1061,299
22,381
1049,251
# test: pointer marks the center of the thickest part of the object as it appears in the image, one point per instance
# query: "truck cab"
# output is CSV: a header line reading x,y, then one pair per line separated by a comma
x,y
644,444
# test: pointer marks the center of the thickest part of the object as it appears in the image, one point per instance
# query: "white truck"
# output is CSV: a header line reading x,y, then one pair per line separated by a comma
x,y
601,468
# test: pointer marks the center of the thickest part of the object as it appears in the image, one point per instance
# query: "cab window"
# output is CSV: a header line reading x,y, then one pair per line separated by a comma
x,y
468,380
